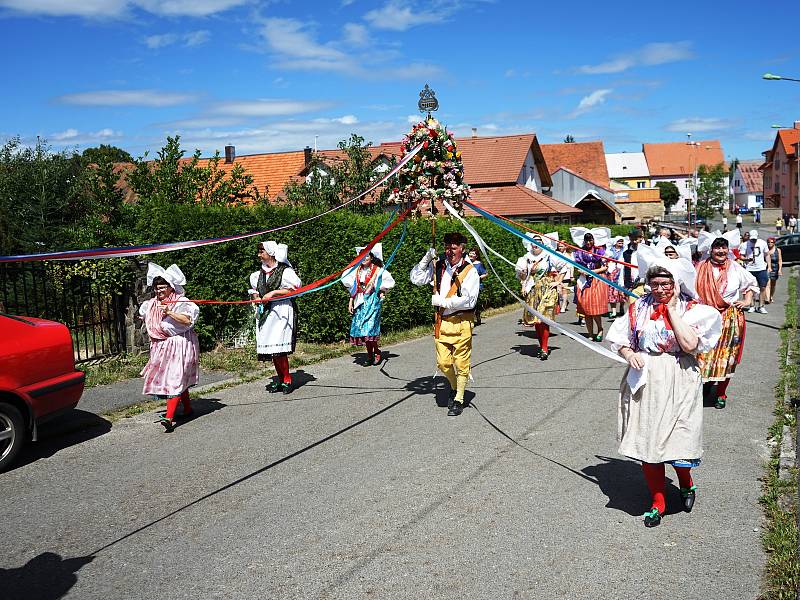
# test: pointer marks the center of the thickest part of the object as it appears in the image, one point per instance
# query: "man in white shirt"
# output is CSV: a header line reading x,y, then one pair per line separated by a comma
x,y
755,261
724,223
456,285
739,220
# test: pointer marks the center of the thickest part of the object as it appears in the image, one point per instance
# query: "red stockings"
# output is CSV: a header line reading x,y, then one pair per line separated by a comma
x,y
722,387
372,348
172,404
654,475
282,368
543,334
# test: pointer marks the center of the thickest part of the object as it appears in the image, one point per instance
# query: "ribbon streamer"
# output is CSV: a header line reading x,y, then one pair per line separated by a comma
x,y
602,350
547,248
124,251
526,228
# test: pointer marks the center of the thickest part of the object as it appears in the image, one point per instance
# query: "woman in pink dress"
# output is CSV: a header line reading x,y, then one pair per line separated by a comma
x,y
174,351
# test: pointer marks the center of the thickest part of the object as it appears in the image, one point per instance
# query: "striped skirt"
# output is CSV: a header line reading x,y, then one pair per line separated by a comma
x,y
591,297
719,363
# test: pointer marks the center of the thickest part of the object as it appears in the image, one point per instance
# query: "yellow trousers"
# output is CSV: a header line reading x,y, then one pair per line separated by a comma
x,y
454,351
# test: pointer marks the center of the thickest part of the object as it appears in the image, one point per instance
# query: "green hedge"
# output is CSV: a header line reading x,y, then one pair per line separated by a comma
x,y
316,249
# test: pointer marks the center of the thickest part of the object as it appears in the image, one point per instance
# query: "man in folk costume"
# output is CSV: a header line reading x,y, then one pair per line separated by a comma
x,y
727,286
276,319
368,284
456,287
540,274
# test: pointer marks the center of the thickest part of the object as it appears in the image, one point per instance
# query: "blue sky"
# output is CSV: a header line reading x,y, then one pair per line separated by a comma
x,y
270,76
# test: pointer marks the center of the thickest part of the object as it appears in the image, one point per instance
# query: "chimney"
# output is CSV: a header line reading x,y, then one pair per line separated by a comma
x,y
307,155
230,153
797,124
474,132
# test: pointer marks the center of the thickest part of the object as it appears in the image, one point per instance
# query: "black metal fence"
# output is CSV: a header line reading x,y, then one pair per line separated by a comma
x,y
96,321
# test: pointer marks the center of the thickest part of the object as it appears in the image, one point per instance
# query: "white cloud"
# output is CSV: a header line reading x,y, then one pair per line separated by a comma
x,y
591,101
154,98
119,8
657,53
73,137
266,107
347,120
699,124
355,34
291,38
400,16
190,39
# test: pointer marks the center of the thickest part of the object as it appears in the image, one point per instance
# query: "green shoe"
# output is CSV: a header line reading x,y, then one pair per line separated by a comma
x,y
652,518
720,403
688,495
273,386
598,337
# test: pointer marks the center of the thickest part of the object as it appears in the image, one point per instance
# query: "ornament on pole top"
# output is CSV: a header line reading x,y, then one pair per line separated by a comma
x,y
427,101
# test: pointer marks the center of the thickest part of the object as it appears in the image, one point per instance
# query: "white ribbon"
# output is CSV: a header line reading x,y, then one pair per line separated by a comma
x,y
602,350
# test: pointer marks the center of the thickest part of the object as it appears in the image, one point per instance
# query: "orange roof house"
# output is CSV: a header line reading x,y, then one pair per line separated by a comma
x,y
780,171
587,159
680,158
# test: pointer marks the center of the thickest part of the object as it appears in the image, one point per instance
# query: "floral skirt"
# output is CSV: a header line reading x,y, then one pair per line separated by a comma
x,y
173,366
543,298
591,298
719,363
366,323
614,295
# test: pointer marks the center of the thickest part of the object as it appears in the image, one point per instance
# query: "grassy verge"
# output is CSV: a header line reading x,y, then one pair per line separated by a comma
x,y
780,539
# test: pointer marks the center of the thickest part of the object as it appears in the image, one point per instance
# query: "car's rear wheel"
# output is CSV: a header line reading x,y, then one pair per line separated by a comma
x,y
12,433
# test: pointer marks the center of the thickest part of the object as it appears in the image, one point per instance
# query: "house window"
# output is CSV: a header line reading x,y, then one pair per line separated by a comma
x,y
736,182
640,184
777,188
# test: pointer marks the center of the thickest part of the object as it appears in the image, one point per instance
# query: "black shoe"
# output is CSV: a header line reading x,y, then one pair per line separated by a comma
x,y
273,386
451,397
537,352
544,354
688,498
286,388
169,426
652,518
720,403
370,360
455,409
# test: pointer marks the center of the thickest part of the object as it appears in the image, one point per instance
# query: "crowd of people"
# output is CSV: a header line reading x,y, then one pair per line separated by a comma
x,y
676,302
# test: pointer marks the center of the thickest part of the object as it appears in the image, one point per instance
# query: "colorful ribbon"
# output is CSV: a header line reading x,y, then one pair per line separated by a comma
x,y
602,350
123,251
546,247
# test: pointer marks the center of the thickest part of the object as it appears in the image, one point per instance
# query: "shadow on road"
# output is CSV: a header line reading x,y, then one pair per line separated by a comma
x,y
74,427
622,481
46,577
360,358
201,407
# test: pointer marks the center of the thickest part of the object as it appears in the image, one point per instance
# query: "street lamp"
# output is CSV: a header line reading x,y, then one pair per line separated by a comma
x,y
773,77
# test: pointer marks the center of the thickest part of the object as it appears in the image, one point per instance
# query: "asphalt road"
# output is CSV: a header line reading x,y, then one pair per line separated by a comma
x,y
358,485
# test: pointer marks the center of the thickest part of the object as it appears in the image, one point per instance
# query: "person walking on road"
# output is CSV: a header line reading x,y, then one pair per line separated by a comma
x,y
456,288
541,275
474,256
739,220
368,284
276,319
774,268
173,366
591,293
724,222
660,417
755,261
779,226
725,285
615,297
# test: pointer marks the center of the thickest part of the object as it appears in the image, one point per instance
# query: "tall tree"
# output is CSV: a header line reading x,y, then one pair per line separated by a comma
x,y
669,194
106,153
712,189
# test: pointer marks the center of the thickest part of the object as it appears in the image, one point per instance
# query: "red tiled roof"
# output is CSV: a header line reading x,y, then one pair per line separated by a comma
x,y
587,159
491,159
680,158
752,175
789,137
269,171
518,200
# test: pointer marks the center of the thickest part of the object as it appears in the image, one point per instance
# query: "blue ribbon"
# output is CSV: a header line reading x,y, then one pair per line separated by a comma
x,y
547,248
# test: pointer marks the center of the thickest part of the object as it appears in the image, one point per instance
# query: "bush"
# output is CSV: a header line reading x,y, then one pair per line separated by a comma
x,y
316,249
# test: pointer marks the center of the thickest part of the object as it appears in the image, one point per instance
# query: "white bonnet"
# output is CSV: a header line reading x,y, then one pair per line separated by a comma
x,y
172,274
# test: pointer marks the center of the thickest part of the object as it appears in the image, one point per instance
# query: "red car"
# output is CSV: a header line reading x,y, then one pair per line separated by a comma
x,y
38,379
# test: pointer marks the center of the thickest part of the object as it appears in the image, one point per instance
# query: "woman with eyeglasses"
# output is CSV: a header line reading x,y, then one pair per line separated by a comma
x,y
727,286
174,350
660,416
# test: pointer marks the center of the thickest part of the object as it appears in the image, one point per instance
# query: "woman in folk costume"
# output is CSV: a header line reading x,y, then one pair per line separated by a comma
x,y
615,297
541,275
660,417
368,284
591,293
567,272
725,285
174,351
276,319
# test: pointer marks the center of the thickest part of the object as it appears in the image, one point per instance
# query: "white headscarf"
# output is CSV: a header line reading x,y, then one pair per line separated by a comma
x,y
705,239
278,251
376,251
172,275
601,235
682,270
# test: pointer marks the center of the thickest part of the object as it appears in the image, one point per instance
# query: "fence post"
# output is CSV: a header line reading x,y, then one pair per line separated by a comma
x,y
136,338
